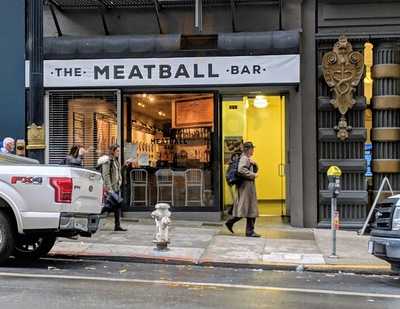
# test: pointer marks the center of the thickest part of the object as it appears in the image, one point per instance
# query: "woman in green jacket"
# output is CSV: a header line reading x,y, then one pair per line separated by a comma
x,y
111,172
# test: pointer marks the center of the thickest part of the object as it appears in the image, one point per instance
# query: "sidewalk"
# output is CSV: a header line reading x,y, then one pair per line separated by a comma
x,y
280,247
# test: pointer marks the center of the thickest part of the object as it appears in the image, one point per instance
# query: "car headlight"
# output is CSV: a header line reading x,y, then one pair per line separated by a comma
x,y
396,219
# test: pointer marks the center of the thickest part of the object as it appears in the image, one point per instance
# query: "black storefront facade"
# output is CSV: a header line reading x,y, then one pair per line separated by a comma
x,y
164,104
75,32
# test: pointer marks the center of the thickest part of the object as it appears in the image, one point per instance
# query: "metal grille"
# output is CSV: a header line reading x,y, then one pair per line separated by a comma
x,y
341,150
386,53
385,210
386,118
328,119
349,181
350,214
85,118
394,179
353,209
386,150
140,4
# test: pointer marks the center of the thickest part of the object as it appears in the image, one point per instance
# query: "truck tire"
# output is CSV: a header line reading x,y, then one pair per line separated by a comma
x,y
33,247
7,238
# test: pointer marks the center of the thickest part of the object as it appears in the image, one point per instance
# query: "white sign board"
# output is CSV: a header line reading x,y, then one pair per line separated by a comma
x,y
188,71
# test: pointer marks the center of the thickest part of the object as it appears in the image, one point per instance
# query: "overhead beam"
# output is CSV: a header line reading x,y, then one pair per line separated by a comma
x,y
105,27
103,17
198,15
234,16
55,19
157,8
53,2
102,3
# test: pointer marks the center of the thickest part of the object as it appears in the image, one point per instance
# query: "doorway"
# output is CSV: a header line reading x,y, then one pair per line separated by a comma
x,y
260,119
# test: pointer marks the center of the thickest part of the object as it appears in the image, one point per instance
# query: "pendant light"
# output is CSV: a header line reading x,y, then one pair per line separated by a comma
x,y
260,101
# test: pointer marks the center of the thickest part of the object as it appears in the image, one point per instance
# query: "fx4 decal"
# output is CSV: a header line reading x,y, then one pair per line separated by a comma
x,y
27,180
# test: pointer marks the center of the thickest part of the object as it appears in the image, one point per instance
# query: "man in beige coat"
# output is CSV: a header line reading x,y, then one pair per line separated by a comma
x,y
245,205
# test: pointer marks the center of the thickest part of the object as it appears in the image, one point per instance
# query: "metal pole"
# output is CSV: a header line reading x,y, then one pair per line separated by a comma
x,y
35,37
35,98
198,15
333,227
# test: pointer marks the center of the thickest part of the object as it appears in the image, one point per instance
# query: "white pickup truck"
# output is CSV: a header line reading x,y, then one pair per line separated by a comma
x,y
41,202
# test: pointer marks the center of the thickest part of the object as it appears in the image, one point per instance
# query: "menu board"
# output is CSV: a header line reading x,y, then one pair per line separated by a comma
x,y
232,145
193,113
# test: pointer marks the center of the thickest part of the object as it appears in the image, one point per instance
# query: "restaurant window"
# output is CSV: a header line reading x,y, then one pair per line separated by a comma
x,y
88,119
168,149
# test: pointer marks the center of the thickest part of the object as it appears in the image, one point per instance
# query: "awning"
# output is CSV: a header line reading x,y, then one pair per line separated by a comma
x,y
171,45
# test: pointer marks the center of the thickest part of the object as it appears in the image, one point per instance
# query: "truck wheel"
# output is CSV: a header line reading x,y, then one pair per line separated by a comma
x,y
32,247
6,237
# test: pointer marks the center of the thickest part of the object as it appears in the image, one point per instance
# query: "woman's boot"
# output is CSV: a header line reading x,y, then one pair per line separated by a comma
x,y
250,223
229,224
117,220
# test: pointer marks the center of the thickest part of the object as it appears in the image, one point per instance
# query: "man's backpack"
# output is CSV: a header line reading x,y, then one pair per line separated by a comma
x,y
233,177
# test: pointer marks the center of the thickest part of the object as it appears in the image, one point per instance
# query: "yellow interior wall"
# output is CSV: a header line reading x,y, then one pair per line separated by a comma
x,y
265,127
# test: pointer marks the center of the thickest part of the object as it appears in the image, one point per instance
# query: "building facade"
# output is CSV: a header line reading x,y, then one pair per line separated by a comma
x,y
180,90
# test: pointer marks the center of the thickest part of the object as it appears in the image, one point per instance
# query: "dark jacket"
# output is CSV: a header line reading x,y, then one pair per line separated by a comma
x,y
72,161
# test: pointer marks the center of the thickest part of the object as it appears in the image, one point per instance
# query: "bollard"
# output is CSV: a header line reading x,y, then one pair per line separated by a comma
x,y
162,218
334,174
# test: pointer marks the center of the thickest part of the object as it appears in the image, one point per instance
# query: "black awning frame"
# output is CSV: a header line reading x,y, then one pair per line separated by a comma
x,y
136,4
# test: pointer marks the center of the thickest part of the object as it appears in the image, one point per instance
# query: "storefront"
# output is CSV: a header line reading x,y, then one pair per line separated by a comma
x,y
177,119
101,66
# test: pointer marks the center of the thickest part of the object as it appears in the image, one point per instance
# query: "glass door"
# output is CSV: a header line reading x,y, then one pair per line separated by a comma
x,y
261,120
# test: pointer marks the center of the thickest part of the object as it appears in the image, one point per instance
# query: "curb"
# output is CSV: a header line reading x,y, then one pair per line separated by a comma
x,y
325,268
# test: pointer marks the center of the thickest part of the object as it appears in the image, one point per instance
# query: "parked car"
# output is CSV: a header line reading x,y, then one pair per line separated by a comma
x,y
384,242
39,203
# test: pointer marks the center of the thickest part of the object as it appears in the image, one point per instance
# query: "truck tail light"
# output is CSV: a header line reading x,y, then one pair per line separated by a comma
x,y
62,189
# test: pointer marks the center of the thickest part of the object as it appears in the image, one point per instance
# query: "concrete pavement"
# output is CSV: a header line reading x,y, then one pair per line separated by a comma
x,y
280,247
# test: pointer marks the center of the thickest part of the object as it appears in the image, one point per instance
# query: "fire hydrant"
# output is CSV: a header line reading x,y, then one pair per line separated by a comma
x,y
162,218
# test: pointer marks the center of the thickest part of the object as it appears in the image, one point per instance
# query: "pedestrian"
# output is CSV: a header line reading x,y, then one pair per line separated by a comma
x,y
245,204
110,168
8,145
74,157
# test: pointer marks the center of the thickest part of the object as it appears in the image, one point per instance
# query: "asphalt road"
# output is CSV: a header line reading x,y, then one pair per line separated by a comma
x,y
72,284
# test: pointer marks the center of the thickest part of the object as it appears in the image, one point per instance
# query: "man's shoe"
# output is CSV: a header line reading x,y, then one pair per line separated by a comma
x,y
229,227
120,229
254,234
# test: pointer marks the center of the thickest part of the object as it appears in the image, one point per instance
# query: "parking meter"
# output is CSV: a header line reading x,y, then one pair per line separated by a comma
x,y
334,174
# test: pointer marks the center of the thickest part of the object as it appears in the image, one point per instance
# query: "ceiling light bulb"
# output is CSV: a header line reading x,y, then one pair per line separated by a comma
x,y
260,102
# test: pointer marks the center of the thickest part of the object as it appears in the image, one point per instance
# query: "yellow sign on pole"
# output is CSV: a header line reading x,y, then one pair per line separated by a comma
x,y
334,171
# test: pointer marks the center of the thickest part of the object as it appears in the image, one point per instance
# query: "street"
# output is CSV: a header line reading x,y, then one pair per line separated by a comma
x,y
62,283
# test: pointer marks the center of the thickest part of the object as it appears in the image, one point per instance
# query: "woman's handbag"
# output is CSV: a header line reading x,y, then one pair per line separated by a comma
x,y
113,200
